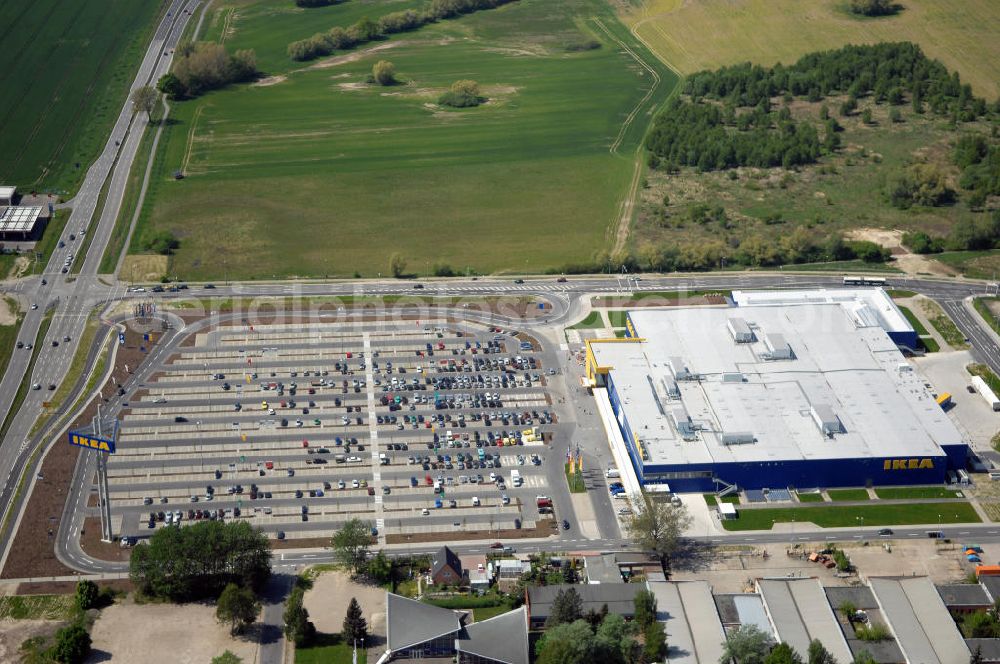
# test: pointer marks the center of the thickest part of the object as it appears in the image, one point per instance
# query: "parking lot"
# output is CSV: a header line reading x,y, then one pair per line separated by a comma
x,y
430,428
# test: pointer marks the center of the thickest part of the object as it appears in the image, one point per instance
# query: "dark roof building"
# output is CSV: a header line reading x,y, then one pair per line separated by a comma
x,y
446,568
620,598
964,597
502,639
415,630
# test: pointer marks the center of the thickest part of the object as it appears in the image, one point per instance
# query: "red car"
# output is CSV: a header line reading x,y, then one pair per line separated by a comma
x,y
496,545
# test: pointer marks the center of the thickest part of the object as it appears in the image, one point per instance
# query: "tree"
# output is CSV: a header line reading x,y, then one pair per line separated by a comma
x,y
567,607
144,100
298,627
655,642
866,116
384,72
818,654
462,94
350,544
747,645
397,265
977,656
170,85
657,526
355,626
160,242
87,595
380,567
645,608
227,657
873,7
72,645
569,643
238,607
782,654
199,560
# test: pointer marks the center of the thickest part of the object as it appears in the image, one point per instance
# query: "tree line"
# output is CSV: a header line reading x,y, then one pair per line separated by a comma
x,y
968,234
367,30
203,66
201,560
726,119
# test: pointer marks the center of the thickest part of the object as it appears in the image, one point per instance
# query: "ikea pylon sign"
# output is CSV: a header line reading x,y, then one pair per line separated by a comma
x,y
91,442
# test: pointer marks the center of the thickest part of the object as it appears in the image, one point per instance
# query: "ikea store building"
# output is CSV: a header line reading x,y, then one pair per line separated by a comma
x,y
801,389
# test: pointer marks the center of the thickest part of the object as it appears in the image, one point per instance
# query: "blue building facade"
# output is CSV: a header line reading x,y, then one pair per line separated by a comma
x,y
794,473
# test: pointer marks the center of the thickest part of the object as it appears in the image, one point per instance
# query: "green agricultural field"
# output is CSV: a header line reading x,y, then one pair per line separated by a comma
x,y
832,516
315,172
711,33
972,264
67,69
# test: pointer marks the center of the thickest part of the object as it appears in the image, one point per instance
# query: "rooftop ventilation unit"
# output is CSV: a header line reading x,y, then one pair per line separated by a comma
x,y
738,438
742,334
683,423
778,348
680,369
733,378
827,420
670,387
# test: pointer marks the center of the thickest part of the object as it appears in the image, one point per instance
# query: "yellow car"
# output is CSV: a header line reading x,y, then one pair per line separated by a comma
x,y
263,405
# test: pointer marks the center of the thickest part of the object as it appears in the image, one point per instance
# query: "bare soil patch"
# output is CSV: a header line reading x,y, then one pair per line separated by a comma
x,y
15,632
269,81
331,593
338,60
8,313
189,632
69,587
90,542
906,261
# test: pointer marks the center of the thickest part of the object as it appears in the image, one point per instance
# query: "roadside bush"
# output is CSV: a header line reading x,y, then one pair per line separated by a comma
x,y
443,270
583,45
298,628
921,184
160,242
72,645
87,595
922,243
873,632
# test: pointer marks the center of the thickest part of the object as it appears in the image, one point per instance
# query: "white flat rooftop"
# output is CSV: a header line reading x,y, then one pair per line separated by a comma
x,y
7,192
871,305
692,394
19,219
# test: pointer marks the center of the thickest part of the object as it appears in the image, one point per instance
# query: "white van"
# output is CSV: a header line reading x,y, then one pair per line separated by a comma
x,y
612,472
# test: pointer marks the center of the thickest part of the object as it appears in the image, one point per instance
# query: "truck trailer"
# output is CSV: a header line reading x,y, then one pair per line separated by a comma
x,y
984,391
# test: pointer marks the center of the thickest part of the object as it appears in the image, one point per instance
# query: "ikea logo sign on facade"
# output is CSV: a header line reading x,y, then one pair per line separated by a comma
x,y
907,464
92,442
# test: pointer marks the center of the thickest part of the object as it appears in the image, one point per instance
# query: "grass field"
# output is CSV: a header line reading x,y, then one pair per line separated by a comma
x,y
831,516
853,267
8,333
321,174
838,495
592,321
916,492
973,264
710,33
328,649
981,306
36,607
67,68
617,318
574,480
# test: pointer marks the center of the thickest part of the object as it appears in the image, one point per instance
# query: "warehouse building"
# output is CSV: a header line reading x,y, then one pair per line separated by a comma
x,y
799,613
769,396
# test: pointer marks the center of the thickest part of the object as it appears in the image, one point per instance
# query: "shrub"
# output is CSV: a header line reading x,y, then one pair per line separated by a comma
x,y
160,242
462,94
874,7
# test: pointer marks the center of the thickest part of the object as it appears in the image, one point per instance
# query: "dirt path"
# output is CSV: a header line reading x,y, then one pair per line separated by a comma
x,y
338,60
8,313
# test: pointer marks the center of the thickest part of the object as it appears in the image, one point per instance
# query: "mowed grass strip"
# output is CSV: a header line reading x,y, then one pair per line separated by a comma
x,y
831,516
322,174
914,321
809,497
67,69
592,321
916,492
840,495
711,33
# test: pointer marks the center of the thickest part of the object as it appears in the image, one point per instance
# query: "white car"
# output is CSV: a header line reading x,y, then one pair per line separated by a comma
x,y
355,484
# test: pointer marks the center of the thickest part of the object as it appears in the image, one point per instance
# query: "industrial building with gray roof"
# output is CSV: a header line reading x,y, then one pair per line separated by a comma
x,y
809,394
